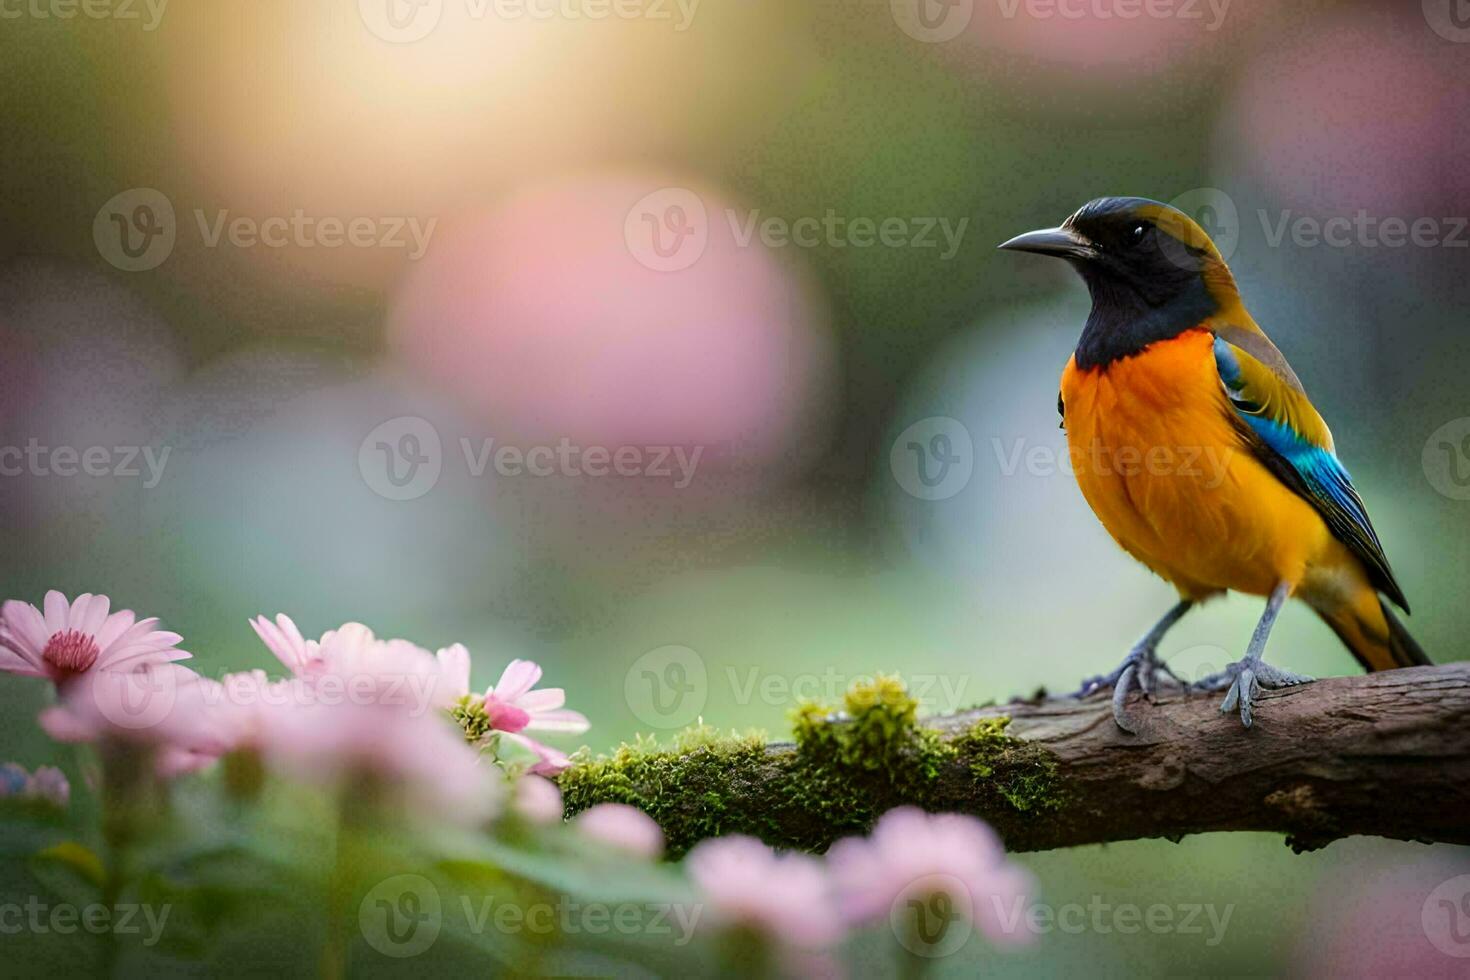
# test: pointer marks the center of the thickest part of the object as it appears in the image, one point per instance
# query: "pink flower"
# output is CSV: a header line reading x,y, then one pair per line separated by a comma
x,y
166,706
302,657
911,851
626,828
513,708
351,664
538,800
71,639
418,763
786,897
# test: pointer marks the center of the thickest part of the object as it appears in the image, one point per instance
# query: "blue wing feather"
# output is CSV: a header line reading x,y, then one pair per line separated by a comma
x,y
1310,469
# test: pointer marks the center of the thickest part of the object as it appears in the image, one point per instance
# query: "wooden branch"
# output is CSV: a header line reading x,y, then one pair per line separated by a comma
x,y
1383,754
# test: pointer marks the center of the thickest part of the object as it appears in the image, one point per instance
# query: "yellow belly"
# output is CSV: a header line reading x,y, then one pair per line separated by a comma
x,y
1165,470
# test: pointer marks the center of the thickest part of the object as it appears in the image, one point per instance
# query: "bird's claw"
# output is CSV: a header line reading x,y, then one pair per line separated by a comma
x,y
1245,678
1142,668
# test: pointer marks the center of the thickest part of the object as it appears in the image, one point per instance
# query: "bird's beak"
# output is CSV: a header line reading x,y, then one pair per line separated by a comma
x,y
1063,242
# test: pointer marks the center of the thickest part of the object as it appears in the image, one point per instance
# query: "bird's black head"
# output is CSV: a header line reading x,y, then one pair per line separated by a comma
x,y
1152,272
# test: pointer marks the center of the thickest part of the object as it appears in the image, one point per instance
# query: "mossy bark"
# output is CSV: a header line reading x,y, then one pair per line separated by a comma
x,y
1386,754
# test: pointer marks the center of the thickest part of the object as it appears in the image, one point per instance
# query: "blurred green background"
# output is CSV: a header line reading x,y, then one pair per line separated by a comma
x,y
546,152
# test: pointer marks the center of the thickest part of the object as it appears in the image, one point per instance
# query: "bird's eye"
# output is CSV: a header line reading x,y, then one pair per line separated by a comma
x,y
1136,233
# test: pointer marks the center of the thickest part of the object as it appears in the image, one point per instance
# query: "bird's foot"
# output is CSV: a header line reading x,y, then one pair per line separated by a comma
x,y
1244,678
1141,668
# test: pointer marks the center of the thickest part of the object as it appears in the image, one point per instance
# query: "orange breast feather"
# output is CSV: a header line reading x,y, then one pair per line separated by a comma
x,y
1158,456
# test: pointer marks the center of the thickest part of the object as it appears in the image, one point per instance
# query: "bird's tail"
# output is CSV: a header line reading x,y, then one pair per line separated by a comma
x,y
1376,637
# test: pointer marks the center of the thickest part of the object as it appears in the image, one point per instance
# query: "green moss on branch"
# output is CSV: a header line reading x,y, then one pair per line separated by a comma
x,y
846,767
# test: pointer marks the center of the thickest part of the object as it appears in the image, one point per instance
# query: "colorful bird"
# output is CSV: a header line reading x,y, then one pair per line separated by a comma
x,y
1198,449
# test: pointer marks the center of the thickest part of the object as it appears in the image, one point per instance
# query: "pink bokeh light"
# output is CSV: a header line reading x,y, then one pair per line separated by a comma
x,y
1317,120
541,319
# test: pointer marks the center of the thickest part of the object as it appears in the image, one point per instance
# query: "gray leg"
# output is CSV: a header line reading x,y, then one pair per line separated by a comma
x,y
1141,664
1245,677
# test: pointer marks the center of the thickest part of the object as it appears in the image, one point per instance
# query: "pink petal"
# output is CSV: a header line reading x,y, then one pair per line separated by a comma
x,y
135,633
454,662
64,726
288,629
27,628
538,800
546,699
505,717
15,663
81,609
90,617
517,679
141,643
279,642
566,720
624,827
116,625
138,658
56,611
552,761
